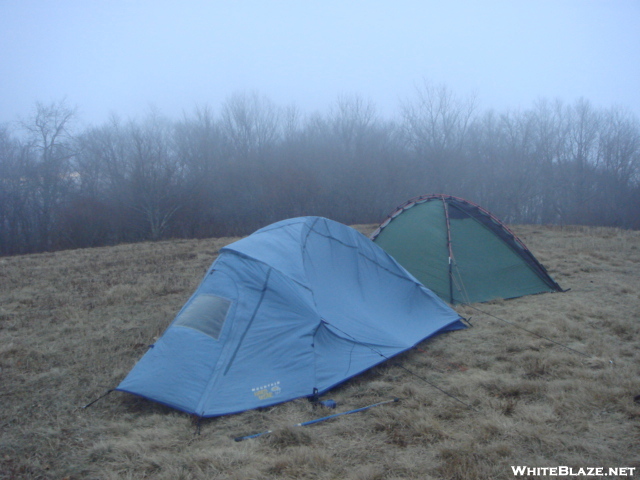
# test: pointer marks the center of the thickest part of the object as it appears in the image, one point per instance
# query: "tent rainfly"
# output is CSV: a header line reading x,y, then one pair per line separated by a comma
x,y
460,251
290,311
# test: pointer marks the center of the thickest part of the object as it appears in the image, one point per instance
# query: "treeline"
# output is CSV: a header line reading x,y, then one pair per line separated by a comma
x,y
252,162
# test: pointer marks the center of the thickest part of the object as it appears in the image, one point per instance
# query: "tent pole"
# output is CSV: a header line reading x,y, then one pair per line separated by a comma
x,y
318,420
449,248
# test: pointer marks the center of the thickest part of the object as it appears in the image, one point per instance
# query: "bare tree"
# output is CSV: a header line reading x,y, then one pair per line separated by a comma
x,y
577,166
203,155
551,136
252,124
100,211
51,143
154,174
619,166
16,234
351,119
435,125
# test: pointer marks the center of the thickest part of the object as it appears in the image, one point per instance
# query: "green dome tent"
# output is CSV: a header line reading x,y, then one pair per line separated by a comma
x,y
460,251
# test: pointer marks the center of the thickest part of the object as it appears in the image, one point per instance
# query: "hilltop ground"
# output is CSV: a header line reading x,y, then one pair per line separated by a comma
x,y
73,323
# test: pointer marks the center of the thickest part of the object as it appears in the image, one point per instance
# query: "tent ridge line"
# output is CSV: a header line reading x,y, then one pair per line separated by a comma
x,y
364,256
262,262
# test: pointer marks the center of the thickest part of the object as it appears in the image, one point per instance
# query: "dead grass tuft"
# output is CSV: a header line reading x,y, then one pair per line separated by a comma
x,y
289,437
73,323
457,464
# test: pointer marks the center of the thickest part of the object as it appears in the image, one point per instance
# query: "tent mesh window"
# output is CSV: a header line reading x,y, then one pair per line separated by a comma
x,y
206,313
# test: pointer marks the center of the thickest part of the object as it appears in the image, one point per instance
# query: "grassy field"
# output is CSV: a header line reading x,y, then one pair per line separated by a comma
x,y
73,323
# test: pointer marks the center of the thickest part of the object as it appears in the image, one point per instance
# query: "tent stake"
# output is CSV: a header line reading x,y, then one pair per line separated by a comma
x,y
99,398
318,420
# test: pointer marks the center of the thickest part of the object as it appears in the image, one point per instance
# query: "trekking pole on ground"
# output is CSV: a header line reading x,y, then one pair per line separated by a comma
x,y
318,420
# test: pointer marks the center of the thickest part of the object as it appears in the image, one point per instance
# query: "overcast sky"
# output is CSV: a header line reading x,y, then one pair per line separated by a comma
x,y
117,56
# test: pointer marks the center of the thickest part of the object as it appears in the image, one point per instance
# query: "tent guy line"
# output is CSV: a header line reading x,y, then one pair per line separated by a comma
x,y
420,377
526,330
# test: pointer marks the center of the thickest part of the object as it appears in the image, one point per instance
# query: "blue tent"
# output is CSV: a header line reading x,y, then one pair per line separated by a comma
x,y
296,308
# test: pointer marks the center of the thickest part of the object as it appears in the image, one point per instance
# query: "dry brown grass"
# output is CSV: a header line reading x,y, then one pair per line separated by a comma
x,y
73,323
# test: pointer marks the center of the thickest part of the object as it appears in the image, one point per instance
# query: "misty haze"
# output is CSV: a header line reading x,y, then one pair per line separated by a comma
x,y
253,162
130,121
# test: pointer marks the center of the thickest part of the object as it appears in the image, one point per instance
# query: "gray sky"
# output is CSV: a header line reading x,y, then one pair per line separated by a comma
x,y
124,56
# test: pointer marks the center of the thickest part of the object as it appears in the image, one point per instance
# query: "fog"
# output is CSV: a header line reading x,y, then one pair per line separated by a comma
x,y
126,57
127,121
